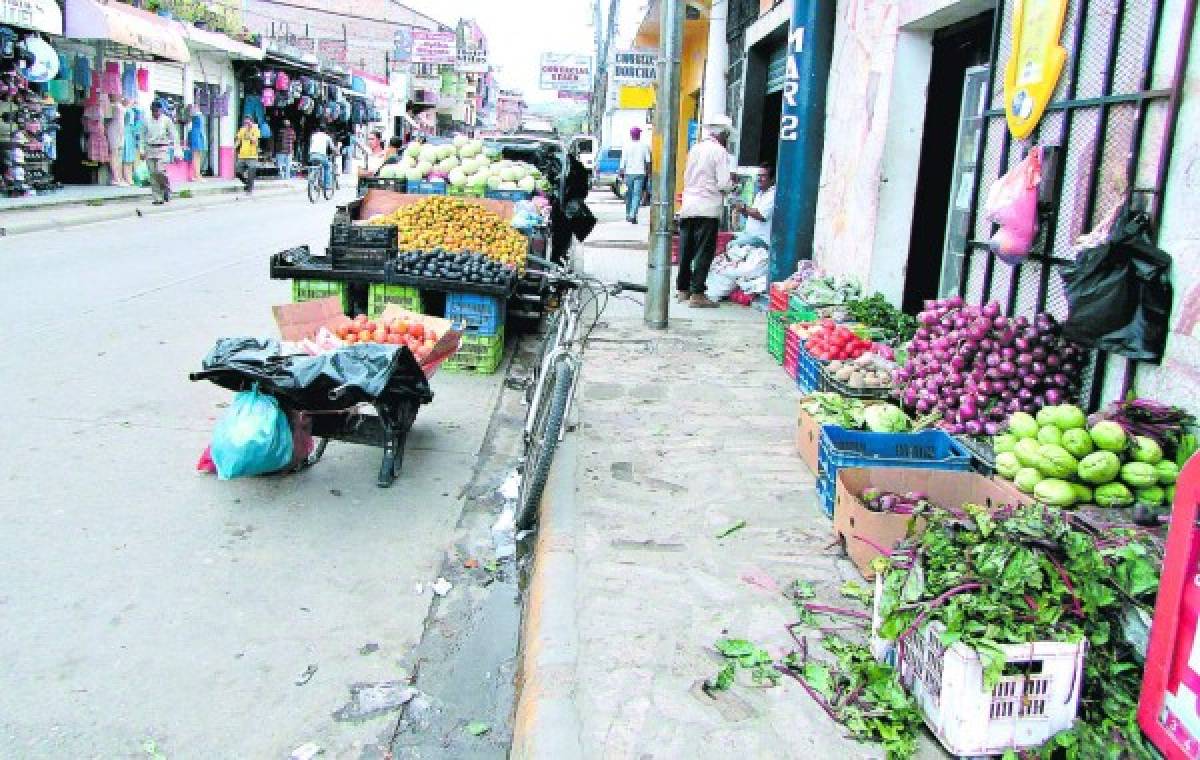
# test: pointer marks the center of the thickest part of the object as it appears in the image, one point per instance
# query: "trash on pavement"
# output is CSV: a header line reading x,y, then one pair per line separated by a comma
x,y
477,728
307,675
368,700
732,529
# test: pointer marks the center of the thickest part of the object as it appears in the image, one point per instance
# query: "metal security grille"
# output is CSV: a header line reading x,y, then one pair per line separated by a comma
x,y
1113,119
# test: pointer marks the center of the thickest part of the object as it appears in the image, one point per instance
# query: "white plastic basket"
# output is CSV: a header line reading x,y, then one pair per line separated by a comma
x,y
1022,711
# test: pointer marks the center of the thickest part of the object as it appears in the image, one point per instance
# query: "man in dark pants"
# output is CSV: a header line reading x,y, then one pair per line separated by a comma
x,y
706,180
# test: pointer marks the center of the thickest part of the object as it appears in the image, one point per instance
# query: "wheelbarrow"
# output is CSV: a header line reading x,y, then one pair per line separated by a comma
x,y
367,394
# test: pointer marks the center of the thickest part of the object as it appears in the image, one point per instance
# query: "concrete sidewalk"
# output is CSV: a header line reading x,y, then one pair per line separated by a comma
x,y
76,205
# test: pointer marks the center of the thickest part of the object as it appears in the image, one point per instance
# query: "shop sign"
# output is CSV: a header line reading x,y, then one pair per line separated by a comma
x,y
635,67
1036,63
434,47
334,50
38,15
402,43
472,61
566,72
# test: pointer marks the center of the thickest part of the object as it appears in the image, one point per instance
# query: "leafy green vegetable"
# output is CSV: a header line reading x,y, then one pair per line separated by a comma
x,y
803,590
875,312
724,677
745,655
855,590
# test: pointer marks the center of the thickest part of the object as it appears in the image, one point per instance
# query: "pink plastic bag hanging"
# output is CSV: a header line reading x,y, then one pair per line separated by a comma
x,y
1012,204
111,81
143,80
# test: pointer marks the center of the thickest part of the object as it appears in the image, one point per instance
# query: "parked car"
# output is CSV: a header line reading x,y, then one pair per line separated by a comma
x,y
584,147
608,165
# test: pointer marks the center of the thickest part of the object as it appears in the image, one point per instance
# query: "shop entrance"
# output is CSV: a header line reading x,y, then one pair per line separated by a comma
x,y
768,146
69,166
947,153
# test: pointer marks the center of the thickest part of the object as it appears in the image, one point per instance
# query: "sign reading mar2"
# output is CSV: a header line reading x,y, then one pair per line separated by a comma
x,y
789,124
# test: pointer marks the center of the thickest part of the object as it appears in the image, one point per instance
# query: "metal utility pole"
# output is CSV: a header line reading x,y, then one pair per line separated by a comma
x,y
598,26
614,8
666,128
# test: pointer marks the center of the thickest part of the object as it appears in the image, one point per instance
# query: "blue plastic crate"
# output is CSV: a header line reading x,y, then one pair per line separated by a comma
x,y
508,195
427,188
483,315
929,449
808,371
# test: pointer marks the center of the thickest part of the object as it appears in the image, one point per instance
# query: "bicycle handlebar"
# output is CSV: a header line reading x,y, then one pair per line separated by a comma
x,y
558,272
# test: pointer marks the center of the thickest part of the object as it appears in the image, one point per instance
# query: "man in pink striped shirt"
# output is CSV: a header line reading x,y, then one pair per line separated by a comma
x,y
706,180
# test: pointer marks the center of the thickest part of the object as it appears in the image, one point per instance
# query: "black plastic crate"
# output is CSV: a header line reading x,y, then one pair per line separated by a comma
x,y
394,184
375,236
361,259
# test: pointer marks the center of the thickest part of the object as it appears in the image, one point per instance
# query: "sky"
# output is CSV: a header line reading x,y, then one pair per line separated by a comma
x,y
519,32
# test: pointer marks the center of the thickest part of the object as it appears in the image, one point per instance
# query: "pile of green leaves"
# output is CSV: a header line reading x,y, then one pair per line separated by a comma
x,y
743,654
895,326
1028,574
835,409
863,695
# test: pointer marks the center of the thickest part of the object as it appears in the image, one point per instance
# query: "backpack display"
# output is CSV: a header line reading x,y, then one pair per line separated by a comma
x,y
268,97
282,81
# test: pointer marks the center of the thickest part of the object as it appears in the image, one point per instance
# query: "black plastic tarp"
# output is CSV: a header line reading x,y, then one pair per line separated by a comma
x,y
333,381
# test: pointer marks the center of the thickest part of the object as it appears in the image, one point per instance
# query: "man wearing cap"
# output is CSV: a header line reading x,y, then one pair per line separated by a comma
x,y
706,179
635,161
160,140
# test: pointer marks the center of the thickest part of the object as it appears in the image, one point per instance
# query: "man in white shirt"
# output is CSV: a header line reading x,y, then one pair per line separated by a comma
x,y
160,139
320,146
635,164
758,216
706,180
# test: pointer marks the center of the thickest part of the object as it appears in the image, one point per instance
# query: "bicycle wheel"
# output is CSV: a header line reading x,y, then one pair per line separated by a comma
x,y
331,188
540,449
548,344
314,186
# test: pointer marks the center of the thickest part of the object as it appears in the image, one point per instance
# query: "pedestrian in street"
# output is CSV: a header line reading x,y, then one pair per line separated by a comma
x,y
635,166
393,154
706,180
285,148
320,148
246,144
374,156
160,141
758,216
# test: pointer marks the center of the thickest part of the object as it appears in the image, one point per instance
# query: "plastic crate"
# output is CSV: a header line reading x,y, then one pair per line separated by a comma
x,y
477,353
380,296
791,352
360,259
796,303
983,456
1022,711
483,315
929,449
311,290
508,195
427,188
394,184
462,191
363,236
808,371
777,325
829,384
778,300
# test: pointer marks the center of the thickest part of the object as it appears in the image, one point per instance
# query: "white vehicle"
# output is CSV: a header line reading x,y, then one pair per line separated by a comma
x,y
584,147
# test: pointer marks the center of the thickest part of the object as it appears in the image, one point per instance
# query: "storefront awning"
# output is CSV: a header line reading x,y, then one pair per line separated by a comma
x,y
125,25
38,15
202,39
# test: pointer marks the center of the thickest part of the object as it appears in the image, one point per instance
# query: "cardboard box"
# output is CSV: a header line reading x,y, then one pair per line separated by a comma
x,y
298,321
862,530
808,438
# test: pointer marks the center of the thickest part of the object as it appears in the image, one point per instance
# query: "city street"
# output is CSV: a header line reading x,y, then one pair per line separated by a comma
x,y
148,608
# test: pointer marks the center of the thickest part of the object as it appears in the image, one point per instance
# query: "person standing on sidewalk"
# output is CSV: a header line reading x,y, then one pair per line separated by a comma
x,y
285,148
160,141
706,180
246,144
635,165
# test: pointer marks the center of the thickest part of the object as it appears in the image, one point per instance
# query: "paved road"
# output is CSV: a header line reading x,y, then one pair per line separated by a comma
x,y
142,602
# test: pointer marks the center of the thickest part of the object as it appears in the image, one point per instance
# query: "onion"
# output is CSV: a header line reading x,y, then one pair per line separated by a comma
x,y
1061,380
992,310
1007,369
991,428
1055,396
1038,368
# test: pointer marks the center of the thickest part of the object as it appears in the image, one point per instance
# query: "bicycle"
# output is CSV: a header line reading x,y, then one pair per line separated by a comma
x,y
317,188
550,391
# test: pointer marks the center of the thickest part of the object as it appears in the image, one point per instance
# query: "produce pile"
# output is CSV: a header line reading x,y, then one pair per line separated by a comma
x,y
854,414
893,325
1062,462
878,500
867,371
975,367
827,291
828,340
441,223
461,267
399,332
1026,574
465,163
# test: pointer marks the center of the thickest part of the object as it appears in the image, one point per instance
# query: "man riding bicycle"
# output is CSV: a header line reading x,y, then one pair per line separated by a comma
x,y
320,148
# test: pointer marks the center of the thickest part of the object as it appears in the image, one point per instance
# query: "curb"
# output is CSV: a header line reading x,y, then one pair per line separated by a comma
x,y
546,725
127,207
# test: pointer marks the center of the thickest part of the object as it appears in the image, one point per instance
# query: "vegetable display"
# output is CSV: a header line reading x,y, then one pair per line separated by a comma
x,y
454,225
1167,426
864,372
828,291
975,367
877,500
875,312
854,414
833,341
1026,574
1061,462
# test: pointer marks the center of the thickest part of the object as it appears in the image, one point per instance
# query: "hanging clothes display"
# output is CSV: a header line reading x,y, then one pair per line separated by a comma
x,y
28,117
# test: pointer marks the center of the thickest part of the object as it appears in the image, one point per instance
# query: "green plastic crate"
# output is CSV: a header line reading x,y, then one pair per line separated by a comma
x,y
777,324
477,353
380,296
311,290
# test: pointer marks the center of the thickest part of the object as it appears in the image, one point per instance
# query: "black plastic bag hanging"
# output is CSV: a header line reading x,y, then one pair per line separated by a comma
x,y
1119,293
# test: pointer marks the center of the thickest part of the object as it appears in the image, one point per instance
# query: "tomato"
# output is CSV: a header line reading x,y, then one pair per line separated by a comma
x,y
417,330
401,326
351,339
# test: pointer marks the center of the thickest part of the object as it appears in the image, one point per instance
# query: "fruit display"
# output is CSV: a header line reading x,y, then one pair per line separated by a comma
x,y
399,332
976,367
474,267
465,163
829,340
454,225
1062,462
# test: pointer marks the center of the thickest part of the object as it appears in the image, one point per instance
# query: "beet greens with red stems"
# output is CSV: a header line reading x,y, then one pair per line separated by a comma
x,y
975,367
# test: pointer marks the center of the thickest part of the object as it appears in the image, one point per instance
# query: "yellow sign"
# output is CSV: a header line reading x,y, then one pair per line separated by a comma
x,y
1036,62
629,96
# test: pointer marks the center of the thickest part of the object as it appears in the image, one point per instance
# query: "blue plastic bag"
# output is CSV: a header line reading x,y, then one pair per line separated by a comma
x,y
253,438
